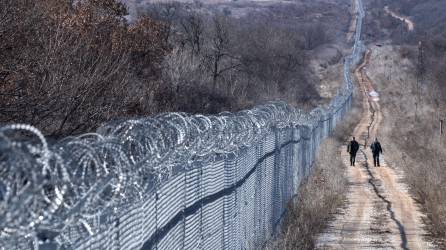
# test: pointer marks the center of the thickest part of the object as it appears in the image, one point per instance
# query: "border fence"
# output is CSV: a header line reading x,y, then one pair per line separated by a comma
x,y
166,182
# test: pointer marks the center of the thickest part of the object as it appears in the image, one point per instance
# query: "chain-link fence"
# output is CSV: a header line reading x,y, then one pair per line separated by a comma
x,y
166,182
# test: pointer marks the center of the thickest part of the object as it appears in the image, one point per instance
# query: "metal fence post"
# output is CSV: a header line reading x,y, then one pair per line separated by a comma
x,y
258,215
117,229
275,195
184,207
201,206
156,213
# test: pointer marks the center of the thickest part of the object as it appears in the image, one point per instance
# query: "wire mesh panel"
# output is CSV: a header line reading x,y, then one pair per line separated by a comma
x,y
267,191
213,225
170,199
173,238
213,181
246,162
148,211
297,158
193,191
131,228
277,196
230,215
192,220
193,239
306,151
268,168
260,227
213,178
287,183
247,207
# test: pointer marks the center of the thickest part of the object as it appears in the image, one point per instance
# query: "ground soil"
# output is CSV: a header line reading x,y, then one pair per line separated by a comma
x,y
407,127
379,212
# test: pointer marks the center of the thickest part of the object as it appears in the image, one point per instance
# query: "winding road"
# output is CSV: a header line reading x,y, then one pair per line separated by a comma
x,y
406,20
379,212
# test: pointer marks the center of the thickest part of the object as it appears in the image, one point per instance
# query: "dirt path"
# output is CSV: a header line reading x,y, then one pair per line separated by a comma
x,y
380,212
409,23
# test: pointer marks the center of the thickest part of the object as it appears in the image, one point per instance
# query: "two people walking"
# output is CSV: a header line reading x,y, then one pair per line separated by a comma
x,y
353,148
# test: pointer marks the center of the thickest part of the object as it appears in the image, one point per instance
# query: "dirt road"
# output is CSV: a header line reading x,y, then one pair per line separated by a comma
x,y
379,211
406,20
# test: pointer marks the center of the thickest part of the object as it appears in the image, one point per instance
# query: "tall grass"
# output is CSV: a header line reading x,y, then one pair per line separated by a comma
x,y
322,194
410,130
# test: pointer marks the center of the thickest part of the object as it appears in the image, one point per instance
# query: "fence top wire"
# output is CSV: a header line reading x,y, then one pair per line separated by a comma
x,y
79,177
45,187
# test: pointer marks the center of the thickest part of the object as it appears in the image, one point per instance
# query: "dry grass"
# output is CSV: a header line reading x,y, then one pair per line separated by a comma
x,y
318,199
421,152
322,194
413,135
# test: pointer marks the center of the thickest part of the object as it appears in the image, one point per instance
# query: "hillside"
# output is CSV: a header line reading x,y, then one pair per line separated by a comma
x,y
408,68
65,65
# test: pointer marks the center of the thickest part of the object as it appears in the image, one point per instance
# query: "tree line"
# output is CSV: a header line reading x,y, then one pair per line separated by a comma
x,y
68,66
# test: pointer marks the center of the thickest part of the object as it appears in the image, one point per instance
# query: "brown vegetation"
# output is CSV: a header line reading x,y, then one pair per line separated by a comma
x,y
416,93
225,63
415,132
322,194
68,66
413,136
318,198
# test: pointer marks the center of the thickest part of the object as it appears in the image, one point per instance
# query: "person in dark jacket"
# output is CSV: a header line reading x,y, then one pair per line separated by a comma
x,y
376,150
353,148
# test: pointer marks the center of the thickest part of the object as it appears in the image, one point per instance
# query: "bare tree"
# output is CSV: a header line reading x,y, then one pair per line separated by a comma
x,y
66,68
193,28
168,13
219,58
315,35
